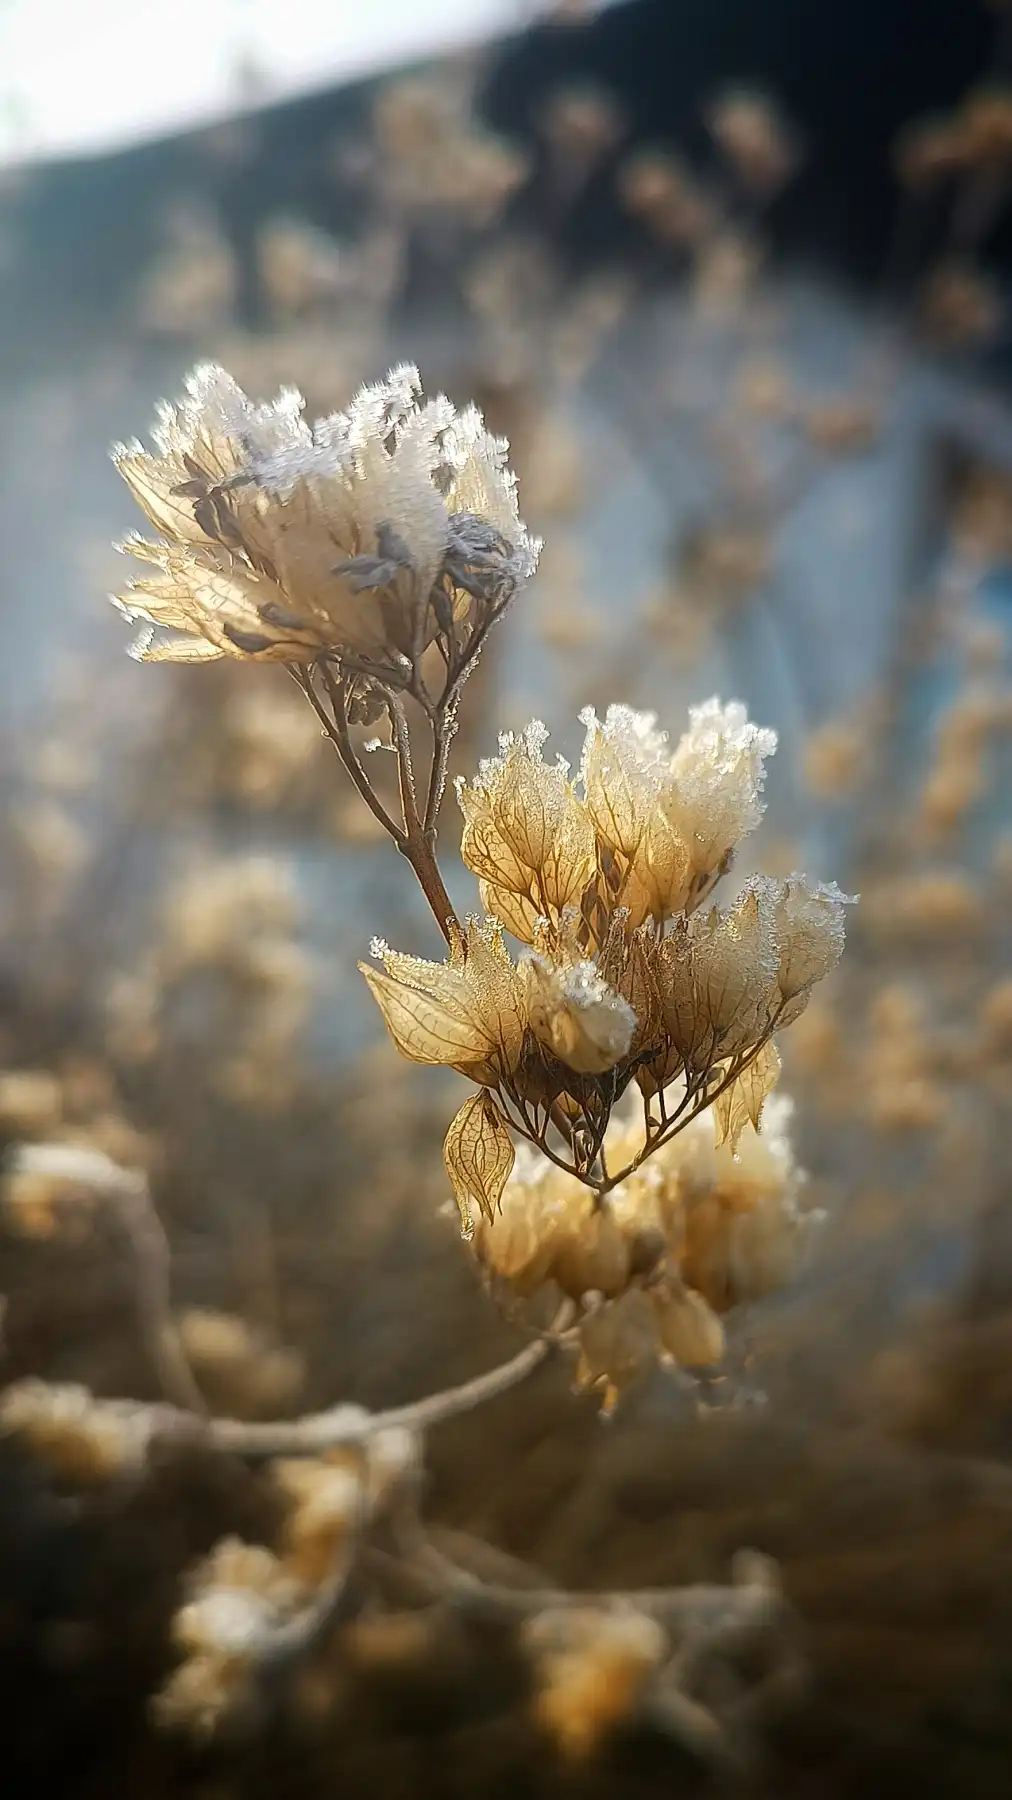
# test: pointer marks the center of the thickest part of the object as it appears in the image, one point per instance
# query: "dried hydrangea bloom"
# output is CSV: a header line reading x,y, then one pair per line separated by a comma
x,y
526,835
626,979
284,541
467,1013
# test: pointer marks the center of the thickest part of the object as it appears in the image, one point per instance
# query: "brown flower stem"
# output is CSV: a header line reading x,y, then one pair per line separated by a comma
x,y
347,1424
417,843
336,729
442,733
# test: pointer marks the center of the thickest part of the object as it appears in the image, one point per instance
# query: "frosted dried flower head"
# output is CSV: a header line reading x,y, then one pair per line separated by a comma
x,y
467,1013
577,1016
716,979
285,541
624,770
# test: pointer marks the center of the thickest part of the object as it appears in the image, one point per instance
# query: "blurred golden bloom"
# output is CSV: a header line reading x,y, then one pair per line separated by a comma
x,y
755,139
592,1666
83,1440
238,1597
661,191
433,156
959,305
285,541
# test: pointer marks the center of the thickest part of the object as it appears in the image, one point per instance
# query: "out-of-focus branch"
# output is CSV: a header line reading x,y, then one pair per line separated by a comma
x,y
348,1424
129,1195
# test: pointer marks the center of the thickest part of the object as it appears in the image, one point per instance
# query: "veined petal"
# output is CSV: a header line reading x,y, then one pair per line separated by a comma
x,y
425,1028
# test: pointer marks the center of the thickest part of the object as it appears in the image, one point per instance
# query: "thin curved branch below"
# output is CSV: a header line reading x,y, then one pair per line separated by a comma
x,y
349,1424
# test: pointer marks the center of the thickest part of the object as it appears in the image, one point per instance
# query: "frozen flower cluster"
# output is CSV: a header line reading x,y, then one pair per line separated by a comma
x,y
364,535
624,975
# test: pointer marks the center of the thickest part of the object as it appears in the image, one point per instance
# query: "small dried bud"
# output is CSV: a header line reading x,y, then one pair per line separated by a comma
x,y
577,1016
718,771
83,1440
754,139
810,934
30,1102
526,835
618,1344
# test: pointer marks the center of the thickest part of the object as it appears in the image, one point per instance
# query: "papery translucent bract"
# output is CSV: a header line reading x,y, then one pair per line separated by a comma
x,y
479,1154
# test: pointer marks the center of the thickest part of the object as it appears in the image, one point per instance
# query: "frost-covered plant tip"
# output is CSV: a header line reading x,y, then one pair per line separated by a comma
x,y
372,552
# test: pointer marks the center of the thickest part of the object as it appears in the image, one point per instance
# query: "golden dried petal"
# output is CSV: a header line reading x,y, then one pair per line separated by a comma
x,y
178,649
622,768
479,1155
810,932
151,480
742,1103
519,915
426,1027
